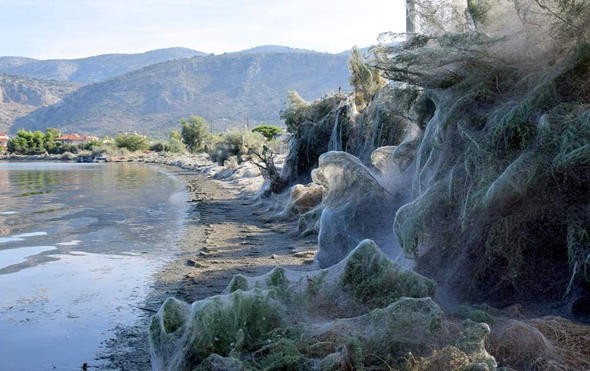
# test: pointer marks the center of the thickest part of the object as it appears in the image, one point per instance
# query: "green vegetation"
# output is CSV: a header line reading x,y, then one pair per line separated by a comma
x,y
242,323
235,142
506,154
238,282
39,143
312,125
194,133
270,132
215,88
366,80
175,144
277,278
296,323
294,112
132,142
375,280
27,143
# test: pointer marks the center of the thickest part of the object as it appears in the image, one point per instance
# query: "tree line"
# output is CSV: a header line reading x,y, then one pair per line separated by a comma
x,y
193,136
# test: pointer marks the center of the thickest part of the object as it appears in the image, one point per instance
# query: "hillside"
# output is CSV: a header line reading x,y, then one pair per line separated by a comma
x,y
91,69
227,90
21,95
7,63
269,49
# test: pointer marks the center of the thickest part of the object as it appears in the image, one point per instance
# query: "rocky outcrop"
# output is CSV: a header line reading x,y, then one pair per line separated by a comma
x,y
31,92
20,95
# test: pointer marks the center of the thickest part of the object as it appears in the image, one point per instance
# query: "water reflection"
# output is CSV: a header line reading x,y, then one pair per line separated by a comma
x,y
109,204
78,243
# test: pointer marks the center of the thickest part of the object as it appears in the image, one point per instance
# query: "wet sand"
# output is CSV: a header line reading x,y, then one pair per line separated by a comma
x,y
226,234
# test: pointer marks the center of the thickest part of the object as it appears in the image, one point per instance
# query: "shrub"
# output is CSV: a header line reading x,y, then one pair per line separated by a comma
x,y
132,142
235,142
175,144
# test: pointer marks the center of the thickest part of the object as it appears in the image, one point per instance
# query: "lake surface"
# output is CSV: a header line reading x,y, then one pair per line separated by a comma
x,y
79,244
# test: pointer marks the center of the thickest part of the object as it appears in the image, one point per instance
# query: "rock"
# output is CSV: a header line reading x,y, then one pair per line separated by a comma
x,y
304,254
195,263
191,262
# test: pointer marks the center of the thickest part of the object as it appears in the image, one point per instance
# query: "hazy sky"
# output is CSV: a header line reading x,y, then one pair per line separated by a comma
x,y
78,28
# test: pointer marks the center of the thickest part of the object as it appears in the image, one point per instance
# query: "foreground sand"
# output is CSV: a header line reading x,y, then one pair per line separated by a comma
x,y
226,233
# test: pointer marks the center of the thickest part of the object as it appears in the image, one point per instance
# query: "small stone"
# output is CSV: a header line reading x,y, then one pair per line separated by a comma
x,y
304,254
191,262
195,263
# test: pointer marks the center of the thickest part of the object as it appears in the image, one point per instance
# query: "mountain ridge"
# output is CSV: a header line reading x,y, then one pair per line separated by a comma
x,y
228,90
90,69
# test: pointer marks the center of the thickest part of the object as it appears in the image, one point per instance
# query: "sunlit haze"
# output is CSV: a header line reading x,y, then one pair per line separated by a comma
x,y
80,28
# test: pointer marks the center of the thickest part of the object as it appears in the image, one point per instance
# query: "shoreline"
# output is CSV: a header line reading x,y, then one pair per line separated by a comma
x,y
226,232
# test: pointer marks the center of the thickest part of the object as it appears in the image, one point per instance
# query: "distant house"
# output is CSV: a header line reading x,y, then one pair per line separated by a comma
x,y
3,141
74,139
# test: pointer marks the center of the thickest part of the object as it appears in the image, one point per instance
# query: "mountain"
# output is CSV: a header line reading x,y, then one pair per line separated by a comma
x,y
266,49
7,63
21,95
91,69
227,90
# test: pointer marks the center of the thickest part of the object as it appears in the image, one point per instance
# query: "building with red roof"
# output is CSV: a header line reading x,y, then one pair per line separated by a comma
x,y
74,139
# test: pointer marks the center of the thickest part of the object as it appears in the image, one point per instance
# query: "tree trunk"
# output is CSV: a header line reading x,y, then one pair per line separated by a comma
x,y
410,16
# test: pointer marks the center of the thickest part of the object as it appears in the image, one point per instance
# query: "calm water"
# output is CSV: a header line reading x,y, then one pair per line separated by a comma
x,y
78,246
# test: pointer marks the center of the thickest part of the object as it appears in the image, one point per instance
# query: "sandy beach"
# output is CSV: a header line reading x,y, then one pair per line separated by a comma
x,y
227,232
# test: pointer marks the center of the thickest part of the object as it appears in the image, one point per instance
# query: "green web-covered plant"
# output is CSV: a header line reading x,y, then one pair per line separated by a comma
x,y
503,165
310,320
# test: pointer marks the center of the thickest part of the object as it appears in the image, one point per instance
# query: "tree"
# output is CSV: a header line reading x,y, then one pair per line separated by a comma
x,y
51,146
270,132
175,144
265,162
292,114
410,16
27,143
365,79
133,142
18,144
194,132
